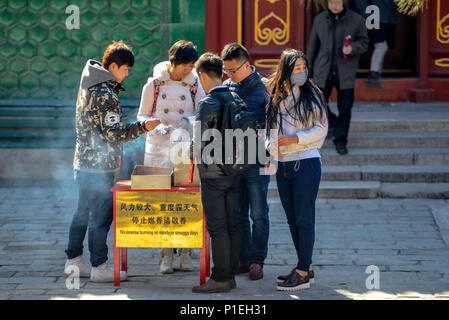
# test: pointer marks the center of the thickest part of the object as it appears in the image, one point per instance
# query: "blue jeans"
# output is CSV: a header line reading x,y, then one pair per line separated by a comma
x,y
252,193
298,183
94,215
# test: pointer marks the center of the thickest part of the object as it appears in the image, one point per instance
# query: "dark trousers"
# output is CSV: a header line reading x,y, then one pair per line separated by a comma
x,y
218,197
298,183
345,101
252,194
94,216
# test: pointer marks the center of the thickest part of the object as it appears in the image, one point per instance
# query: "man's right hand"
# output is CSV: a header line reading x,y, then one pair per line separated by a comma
x,y
152,123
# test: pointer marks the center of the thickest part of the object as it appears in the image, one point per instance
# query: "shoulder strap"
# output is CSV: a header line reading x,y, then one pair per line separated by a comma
x,y
157,87
250,88
193,92
225,115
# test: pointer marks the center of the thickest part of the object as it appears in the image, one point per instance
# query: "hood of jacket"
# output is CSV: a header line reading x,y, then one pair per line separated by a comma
x,y
160,72
93,74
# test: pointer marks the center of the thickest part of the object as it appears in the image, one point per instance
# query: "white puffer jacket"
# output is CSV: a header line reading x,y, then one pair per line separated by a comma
x,y
173,103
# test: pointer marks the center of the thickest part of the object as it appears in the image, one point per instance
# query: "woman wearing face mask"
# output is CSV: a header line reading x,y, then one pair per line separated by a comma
x,y
297,121
171,95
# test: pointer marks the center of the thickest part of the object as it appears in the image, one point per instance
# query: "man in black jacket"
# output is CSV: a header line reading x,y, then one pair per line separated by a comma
x,y
332,64
218,191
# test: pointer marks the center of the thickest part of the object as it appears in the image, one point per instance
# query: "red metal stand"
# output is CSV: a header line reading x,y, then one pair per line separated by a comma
x,y
121,254
205,254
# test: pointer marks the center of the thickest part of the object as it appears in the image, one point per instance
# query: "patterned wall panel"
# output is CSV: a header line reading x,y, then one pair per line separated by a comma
x,y
41,59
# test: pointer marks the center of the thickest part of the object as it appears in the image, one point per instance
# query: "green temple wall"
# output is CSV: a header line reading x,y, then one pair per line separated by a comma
x,y
40,58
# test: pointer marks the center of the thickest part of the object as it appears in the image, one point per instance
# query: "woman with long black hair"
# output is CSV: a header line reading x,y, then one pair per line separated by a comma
x,y
296,112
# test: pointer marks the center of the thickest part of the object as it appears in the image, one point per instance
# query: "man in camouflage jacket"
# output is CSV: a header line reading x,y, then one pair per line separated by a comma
x,y
98,156
99,129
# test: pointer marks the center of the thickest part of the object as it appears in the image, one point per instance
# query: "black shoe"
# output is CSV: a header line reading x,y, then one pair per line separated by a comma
x,y
373,80
295,282
212,286
330,132
284,278
311,277
341,149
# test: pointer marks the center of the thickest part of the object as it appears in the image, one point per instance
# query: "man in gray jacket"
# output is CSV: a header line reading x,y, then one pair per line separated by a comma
x,y
332,64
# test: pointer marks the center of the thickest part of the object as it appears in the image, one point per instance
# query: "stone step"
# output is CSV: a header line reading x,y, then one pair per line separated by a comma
x,y
339,189
386,156
394,125
372,189
349,189
395,173
414,190
395,140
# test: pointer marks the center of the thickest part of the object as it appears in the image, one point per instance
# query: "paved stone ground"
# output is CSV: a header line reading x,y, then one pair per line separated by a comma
x,y
400,237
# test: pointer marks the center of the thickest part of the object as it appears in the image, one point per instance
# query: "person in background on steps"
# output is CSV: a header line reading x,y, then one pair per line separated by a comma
x,y
100,134
332,64
253,189
171,95
382,39
297,111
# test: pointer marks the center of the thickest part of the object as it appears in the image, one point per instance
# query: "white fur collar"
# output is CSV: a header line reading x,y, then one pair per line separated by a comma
x,y
160,73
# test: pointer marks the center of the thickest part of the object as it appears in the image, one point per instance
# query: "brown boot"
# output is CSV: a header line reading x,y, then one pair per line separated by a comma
x,y
242,268
212,286
255,272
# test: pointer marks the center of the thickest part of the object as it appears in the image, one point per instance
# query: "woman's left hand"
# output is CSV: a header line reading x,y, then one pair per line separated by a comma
x,y
287,140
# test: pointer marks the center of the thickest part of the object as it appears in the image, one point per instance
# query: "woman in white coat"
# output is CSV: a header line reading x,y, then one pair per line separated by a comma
x,y
171,95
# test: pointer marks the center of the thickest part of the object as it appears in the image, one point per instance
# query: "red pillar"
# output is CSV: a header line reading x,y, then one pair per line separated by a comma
x,y
423,93
222,23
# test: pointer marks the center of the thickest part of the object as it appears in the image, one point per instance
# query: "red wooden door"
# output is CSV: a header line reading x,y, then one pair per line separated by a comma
x,y
269,27
264,27
439,38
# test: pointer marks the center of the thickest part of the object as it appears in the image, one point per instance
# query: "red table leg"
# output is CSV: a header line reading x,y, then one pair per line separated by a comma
x,y
202,266
124,254
116,253
207,254
116,266
203,254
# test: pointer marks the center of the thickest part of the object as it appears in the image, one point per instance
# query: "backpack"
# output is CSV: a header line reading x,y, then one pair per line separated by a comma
x,y
236,116
157,87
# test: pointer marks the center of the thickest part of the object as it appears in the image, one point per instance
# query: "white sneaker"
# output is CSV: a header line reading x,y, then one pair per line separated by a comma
x,y
78,262
166,265
104,274
194,254
176,265
184,260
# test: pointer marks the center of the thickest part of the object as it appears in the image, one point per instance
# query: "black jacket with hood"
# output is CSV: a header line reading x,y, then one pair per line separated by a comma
x,y
210,114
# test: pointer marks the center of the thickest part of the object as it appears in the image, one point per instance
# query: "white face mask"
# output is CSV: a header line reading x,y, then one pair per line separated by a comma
x,y
298,78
